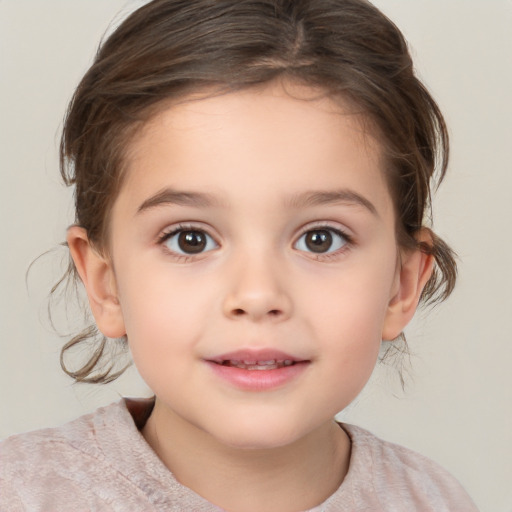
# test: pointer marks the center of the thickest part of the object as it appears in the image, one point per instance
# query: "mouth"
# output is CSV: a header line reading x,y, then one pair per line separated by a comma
x,y
258,365
258,370
257,360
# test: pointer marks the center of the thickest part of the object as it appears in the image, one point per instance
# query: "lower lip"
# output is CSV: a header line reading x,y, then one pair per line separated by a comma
x,y
258,380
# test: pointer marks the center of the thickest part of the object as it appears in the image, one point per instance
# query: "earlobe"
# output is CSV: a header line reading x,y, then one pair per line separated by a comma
x,y
415,270
97,275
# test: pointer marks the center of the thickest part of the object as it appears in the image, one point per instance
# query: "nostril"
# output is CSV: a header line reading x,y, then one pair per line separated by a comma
x,y
242,312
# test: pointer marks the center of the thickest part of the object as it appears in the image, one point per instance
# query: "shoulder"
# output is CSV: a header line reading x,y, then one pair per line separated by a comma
x,y
395,478
100,461
79,437
50,445
43,468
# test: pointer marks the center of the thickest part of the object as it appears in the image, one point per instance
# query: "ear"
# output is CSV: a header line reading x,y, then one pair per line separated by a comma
x,y
97,275
415,269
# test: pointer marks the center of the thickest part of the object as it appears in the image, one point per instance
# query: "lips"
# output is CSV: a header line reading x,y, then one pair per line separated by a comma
x,y
272,364
257,359
257,370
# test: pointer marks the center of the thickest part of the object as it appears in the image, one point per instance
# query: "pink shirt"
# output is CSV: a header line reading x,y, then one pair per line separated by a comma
x,y
100,462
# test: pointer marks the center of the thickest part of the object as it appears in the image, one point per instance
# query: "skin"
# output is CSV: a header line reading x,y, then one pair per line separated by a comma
x,y
260,155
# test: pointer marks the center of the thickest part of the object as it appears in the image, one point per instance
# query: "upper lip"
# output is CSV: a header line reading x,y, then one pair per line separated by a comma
x,y
254,356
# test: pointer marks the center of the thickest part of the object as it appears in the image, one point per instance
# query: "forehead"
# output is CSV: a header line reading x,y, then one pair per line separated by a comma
x,y
279,135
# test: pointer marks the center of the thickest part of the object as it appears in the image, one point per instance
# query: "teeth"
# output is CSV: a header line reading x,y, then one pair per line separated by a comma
x,y
271,364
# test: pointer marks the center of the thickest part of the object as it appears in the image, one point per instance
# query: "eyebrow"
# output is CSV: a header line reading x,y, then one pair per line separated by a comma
x,y
304,200
331,197
181,198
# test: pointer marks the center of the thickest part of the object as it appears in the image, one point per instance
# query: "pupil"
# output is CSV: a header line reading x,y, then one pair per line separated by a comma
x,y
192,241
319,241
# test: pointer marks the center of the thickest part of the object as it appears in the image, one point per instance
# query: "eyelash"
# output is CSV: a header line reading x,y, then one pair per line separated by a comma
x,y
182,228
349,241
320,256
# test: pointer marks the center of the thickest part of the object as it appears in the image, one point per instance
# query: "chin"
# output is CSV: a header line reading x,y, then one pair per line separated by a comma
x,y
257,435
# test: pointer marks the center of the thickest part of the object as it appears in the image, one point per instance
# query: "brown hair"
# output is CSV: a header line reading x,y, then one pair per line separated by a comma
x,y
170,48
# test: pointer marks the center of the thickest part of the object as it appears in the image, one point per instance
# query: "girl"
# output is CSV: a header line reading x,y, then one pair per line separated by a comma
x,y
251,179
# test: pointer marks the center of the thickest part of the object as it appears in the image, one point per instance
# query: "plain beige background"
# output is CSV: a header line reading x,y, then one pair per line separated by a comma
x,y
457,405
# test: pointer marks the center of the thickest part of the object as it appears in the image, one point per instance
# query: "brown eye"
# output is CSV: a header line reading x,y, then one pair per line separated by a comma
x,y
321,241
190,241
318,241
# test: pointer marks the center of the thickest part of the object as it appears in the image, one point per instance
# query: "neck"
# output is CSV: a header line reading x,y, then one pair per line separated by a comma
x,y
288,478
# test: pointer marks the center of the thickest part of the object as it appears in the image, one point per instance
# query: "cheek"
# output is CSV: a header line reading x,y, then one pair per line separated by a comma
x,y
354,298
347,310
163,312
162,326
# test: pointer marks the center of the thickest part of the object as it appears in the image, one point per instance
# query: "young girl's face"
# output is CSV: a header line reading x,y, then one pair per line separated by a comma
x,y
255,267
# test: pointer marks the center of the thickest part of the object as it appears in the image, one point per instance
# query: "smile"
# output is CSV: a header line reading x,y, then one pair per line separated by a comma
x,y
257,370
272,364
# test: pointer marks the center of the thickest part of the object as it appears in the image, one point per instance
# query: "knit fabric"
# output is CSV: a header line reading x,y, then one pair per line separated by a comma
x,y
101,462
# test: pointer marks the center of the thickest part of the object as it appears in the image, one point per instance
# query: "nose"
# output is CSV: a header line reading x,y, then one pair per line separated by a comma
x,y
257,292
